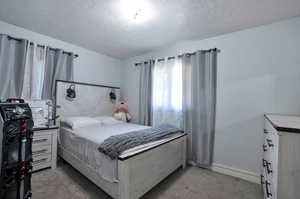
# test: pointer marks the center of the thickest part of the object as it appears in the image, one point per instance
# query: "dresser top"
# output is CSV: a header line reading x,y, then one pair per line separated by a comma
x,y
285,123
44,128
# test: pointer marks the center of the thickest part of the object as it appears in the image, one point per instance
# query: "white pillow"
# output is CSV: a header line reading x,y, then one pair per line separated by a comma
x,y
107,120
77,122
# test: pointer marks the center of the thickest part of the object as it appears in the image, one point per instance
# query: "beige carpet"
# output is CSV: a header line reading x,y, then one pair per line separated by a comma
x,y
191,183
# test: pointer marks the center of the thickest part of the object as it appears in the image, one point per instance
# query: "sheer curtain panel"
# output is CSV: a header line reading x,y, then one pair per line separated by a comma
x,y
12,66
34,72
199,102
167,92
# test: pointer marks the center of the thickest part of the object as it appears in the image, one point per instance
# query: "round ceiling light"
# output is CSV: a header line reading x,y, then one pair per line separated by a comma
x,y
136,11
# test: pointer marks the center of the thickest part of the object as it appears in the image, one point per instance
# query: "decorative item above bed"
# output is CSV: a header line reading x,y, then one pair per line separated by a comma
x,y
91,99
71,93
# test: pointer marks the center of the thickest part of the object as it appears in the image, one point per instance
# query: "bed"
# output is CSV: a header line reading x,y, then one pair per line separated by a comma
x,y
136,170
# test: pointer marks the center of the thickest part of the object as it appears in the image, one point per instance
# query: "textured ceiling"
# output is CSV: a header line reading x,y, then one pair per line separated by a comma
x,y
98,24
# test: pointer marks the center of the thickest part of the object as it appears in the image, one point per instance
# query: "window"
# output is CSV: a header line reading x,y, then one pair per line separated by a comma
x,y
167,92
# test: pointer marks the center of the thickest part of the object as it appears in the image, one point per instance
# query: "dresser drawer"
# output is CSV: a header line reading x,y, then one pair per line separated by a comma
x,y
269,190
41,159
270,149
268,167
270,146
41,150
270,173
41,140
270,159
270,138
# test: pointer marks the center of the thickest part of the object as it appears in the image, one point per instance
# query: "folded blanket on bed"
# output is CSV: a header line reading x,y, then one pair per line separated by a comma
x,y
115,145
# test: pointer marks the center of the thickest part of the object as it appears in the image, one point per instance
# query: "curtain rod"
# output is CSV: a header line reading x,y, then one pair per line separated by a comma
x,y
40,45
173,57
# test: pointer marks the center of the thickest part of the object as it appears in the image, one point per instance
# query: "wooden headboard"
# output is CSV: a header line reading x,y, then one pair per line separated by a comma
x,y
91,99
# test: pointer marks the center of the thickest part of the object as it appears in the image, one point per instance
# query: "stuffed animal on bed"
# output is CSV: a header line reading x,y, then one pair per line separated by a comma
x,y
121,112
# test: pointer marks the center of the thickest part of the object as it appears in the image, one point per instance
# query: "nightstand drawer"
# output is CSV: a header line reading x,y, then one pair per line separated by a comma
x,y
41,140
41,150
41,159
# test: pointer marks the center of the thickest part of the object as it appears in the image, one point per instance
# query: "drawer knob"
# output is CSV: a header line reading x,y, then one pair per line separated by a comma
x,y
265,147
268,191
269,169
267,165
270,143
264,162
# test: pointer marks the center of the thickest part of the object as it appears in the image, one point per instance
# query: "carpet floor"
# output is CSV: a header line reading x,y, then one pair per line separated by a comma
x,y
192,183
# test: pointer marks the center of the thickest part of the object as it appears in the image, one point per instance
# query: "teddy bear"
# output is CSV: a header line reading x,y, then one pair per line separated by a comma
x,y
121,112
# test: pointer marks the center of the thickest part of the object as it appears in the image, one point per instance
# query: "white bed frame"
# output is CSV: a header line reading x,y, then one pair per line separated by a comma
x,y
137,172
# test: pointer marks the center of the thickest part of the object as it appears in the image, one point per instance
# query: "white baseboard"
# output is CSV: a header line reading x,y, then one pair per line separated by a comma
x,y
238,173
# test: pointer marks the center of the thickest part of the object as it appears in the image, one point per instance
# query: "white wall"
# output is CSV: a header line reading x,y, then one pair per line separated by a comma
x,y
90,67
258,72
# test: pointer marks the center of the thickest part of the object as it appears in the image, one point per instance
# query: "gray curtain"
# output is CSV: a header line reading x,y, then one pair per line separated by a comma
x,y
199,102
145,93
12,66
59,66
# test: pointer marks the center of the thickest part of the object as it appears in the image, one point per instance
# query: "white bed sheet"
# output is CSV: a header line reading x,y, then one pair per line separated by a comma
x,y
84,142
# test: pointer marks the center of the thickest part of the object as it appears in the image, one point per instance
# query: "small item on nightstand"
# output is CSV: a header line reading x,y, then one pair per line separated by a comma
x,y
51,118
51,122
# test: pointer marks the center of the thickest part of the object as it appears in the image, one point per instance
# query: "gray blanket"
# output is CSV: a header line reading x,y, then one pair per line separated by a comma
x,y
115,145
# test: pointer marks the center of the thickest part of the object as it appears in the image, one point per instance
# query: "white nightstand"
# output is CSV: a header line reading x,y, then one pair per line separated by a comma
x,y
44,147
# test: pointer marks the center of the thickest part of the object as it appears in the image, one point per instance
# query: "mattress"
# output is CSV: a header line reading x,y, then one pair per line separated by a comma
x,y
83,143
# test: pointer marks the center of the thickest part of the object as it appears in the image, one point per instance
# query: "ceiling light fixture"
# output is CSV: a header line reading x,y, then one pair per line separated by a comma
x,y
136,11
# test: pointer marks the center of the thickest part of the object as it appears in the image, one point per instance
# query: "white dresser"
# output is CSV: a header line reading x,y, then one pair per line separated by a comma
x,y
281,157
44,148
